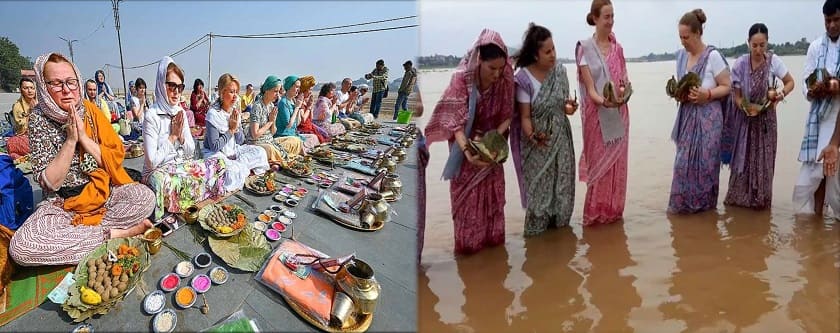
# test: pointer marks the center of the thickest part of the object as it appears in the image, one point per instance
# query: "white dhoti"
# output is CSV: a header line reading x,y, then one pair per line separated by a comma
x,y
811,173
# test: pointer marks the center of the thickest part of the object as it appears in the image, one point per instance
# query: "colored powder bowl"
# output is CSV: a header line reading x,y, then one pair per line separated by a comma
x,y
202,259
272,234
201,283
170,282
279,226
185,297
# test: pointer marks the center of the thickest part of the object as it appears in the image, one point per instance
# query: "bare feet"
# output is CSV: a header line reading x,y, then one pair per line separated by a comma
x,y
133,231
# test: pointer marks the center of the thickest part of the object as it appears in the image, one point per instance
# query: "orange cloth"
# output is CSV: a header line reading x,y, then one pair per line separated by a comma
x,y
7,265
89,206
314,294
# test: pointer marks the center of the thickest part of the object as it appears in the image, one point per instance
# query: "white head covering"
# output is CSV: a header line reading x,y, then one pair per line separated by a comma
x,y
161,98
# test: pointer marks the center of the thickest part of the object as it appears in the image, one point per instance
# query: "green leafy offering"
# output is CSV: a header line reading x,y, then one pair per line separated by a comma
x,y
80,311
493,147
246,251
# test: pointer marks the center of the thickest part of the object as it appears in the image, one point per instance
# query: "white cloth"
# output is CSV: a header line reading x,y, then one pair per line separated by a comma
x,y
342,97
161,98
159,150
156,122
714,66
239,160
523,96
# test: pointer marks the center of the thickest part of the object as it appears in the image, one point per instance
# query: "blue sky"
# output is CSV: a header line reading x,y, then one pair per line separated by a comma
x,y
152,29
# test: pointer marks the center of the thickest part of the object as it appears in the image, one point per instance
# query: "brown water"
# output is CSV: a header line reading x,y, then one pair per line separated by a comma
x,y
728,270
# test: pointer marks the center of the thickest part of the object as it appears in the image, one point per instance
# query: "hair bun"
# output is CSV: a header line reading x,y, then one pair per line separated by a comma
x,y
701,16
590,19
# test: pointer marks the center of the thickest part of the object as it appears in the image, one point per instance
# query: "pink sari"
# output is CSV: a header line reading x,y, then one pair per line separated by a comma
x,y
477,194
603,166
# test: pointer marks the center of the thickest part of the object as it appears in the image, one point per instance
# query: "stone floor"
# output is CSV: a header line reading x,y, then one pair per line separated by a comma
x,y
391,251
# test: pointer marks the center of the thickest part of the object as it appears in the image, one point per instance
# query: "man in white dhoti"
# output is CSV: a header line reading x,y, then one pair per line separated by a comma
x,y
814,188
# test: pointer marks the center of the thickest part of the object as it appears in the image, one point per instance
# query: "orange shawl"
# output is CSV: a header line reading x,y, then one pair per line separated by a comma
x,y
89,206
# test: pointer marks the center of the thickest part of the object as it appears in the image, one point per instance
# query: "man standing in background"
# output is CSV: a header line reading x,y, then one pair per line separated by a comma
x,y
379,75
406,87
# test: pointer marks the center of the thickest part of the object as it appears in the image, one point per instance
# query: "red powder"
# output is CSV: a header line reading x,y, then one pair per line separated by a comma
x,y
170,282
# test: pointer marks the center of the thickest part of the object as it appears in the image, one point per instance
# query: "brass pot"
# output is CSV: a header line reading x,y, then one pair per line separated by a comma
x,y
154,240
833,86
392,183
375,205
191,214
389,164
367,219
356,280
399,154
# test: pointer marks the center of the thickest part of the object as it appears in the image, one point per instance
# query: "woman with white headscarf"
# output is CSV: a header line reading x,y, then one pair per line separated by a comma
x,y
77,160
225,136
177,179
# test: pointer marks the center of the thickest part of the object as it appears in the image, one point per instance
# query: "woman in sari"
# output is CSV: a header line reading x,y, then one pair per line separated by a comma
x,y
88,196
225,137
263,126
699,124
541,136
325,108
199,103
754,153
177,180
479,99
606,125
290,107
308,104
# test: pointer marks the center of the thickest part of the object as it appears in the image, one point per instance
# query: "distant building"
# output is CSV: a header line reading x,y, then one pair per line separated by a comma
x,y
30,73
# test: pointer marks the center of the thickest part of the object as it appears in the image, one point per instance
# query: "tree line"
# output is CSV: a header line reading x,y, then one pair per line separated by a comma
x,y
799,47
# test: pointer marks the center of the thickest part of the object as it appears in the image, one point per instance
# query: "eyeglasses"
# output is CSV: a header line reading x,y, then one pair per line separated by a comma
x,y
58,85
175,86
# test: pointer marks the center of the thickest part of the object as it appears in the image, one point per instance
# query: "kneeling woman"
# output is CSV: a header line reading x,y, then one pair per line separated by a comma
x,y
324,110
177,180
263,126
224,137
77,160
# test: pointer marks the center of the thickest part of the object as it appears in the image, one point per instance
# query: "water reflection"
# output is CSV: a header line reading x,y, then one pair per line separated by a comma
x,y
818,242
553,300
611,287
717,284
487,298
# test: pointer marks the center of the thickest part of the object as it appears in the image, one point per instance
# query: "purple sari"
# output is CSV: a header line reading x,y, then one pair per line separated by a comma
x,y
754,153
697,134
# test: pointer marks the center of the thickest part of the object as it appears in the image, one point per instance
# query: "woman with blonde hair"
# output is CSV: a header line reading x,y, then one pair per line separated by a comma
x,y
224,137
